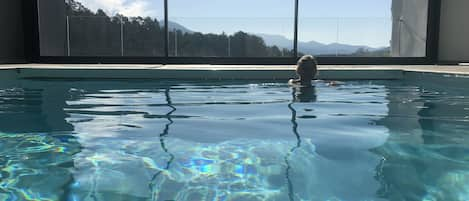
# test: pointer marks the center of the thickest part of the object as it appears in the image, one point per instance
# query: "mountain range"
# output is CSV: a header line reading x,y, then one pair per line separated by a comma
x,y
314,47
311,47
175,26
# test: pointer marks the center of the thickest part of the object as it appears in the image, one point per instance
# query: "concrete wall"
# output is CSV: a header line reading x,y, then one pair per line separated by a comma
x,y
454,30
11,32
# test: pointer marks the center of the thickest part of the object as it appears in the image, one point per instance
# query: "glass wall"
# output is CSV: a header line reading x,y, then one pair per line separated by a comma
x,y
52,27
228,28
103,28
363,28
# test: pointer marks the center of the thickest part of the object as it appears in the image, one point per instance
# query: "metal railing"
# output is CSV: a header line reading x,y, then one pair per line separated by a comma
x,y
116,36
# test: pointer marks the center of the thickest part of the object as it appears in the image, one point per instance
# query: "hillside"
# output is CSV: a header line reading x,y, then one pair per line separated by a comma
x,y
313,47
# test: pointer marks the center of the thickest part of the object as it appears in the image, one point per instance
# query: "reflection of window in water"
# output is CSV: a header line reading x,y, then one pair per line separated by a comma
x,y
162,136
422,147
30,110
299,94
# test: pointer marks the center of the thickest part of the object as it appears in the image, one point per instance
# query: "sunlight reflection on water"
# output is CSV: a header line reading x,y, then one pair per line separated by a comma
x,y
120,140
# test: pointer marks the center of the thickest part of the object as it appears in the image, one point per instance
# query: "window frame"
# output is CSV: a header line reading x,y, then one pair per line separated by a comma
x,y
33,50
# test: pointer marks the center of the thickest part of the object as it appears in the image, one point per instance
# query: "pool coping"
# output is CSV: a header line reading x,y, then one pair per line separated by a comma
x,y
125,71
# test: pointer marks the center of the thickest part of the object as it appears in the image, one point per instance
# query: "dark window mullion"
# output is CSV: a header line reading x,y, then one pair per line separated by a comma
x,y
166,31
433,29
295,31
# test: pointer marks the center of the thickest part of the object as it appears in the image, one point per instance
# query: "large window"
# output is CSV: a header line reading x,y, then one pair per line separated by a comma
x,y
363,28
233,28
102,28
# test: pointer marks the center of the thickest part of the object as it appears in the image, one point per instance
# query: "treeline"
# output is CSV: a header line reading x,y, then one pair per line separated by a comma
x,y
97,34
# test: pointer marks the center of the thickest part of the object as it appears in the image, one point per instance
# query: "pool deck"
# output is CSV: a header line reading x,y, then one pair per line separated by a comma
x,y
94,71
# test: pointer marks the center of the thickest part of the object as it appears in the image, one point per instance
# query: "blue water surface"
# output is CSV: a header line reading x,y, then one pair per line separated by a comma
x,y
121,140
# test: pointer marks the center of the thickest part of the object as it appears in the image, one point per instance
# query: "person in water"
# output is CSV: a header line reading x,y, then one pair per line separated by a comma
x,y
306,69
303,90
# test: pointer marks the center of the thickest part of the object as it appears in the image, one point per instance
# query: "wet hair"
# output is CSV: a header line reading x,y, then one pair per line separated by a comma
x,y
307,66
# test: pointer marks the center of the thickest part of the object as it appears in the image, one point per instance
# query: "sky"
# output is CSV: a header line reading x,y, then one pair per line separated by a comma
x,y
357,22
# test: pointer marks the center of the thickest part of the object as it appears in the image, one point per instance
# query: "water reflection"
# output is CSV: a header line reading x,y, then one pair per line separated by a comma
x,y
292,150
162,136
223,145
299,94
92,140
425,157
36,142
26,110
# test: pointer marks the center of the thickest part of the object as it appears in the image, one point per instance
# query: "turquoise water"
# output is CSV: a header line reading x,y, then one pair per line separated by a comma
x,y
235,140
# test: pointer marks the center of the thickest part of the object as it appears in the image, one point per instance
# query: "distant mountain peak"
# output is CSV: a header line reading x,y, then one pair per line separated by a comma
x,y
176,26
312,47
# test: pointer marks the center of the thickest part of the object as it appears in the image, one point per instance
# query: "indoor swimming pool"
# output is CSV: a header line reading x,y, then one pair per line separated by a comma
x,y
126,140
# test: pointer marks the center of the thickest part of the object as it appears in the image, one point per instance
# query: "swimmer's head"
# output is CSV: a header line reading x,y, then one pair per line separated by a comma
x,y
307,67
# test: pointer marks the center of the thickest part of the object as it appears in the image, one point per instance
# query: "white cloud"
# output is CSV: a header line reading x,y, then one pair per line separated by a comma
x,y
125,7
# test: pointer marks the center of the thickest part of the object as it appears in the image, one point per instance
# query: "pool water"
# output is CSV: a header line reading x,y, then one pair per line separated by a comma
x,y
232,140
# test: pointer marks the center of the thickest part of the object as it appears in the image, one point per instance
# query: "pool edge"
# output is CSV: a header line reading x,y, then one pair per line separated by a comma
x,y
220,72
